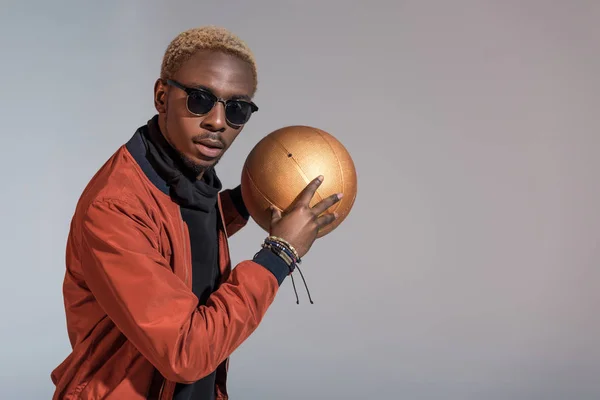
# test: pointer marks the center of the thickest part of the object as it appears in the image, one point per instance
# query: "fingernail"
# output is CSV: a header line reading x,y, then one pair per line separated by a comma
x,y
340,195
335,215
320,178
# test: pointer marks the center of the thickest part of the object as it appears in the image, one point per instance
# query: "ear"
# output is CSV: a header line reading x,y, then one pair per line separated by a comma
x,y
160,96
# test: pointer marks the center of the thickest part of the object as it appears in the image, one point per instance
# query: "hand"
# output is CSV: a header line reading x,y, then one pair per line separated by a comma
x,y
300,223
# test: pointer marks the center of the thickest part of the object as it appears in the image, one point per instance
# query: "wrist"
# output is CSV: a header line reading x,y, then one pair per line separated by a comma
x,y
286,254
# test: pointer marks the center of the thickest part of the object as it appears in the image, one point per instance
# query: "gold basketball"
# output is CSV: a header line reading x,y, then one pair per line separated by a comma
x,y
281,165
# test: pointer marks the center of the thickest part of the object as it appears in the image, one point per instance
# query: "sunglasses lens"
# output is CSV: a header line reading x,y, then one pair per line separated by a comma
x,y
238,112
200,102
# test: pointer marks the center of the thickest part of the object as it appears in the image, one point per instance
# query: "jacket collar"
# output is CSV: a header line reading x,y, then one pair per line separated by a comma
x,y
138,150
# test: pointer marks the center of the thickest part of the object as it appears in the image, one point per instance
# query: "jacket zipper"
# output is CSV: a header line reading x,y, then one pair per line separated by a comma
x,y
162,387
185,252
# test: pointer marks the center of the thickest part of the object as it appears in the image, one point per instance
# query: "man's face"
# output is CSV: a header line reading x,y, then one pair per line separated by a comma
x,y
199,138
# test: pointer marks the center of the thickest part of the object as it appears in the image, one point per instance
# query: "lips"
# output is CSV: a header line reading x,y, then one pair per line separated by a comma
x,y
209,149
211,144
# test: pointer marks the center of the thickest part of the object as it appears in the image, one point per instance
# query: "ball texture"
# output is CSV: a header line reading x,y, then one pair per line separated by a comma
x,y
281,165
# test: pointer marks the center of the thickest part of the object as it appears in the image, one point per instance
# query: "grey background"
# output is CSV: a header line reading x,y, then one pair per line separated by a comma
x,y
468,268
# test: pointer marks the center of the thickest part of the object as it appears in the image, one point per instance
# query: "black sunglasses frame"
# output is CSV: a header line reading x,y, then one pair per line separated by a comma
x,y
190,91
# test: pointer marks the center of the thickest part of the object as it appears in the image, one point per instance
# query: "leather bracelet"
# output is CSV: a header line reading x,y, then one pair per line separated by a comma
x,y
281,253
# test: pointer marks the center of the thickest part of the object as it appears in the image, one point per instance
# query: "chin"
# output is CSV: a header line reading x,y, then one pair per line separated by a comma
x,y
200,165
207,163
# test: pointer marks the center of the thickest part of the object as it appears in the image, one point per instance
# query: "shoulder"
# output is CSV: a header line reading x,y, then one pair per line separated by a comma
x,y
119,187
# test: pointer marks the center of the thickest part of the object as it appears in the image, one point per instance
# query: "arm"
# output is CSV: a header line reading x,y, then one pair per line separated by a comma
x,y
235,213
153,308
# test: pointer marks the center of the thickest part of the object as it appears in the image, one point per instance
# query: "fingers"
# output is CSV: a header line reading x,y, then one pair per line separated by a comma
x,y
324,204
326,219
309,191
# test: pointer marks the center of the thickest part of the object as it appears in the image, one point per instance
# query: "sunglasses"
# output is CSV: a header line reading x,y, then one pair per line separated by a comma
x,y
201,101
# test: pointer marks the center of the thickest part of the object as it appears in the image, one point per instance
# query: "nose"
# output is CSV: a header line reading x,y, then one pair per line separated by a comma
x,y
215,120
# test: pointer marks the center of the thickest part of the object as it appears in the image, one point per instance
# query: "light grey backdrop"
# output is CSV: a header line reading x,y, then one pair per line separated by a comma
x,y
468,268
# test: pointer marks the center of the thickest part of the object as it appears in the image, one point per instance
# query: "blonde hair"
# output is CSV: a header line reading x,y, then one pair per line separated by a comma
x,y
214,38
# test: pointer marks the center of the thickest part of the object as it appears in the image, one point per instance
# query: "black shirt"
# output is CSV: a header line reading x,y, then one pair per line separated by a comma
x,y
202,227
199,210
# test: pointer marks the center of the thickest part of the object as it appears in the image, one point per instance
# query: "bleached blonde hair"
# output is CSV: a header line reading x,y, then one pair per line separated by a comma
x,y
214,38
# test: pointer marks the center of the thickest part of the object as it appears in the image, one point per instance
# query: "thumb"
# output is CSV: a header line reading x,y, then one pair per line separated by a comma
x,y
275,214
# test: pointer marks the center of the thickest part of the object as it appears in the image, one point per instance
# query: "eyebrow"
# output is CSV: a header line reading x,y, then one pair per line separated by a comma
x,y
234,97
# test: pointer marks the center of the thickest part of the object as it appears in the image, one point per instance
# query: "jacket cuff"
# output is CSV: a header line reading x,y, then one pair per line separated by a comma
x,y
273,263
238,202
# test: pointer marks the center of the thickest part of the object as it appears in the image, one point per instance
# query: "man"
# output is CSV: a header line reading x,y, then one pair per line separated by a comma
x,y
153,306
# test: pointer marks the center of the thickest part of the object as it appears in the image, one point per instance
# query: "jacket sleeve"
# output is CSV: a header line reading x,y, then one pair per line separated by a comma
x,y
235,213
153,308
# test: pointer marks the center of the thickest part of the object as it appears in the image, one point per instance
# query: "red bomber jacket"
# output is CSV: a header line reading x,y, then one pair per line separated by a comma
x,y
135,326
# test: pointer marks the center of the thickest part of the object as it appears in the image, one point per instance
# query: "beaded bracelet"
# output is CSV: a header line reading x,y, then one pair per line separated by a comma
x,y
285,242
283,247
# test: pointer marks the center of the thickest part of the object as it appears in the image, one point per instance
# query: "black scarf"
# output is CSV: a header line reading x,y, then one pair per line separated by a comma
x,y
185,189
